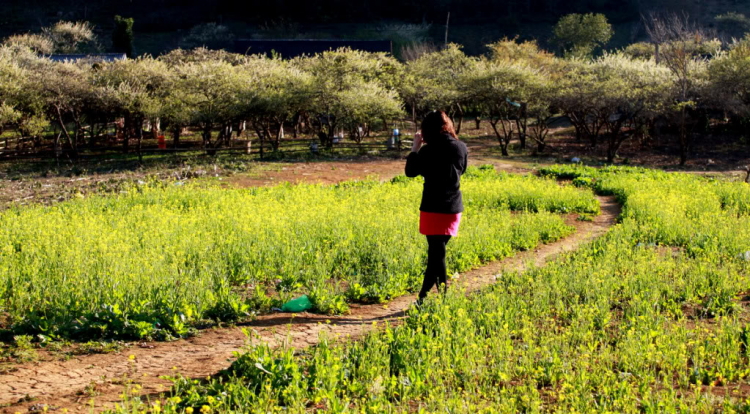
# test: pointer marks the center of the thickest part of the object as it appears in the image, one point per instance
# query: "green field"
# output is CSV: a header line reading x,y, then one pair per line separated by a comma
x,y
159,259
652,317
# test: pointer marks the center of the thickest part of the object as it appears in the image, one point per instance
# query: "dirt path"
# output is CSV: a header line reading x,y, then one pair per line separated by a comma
x,y
333,172
96,381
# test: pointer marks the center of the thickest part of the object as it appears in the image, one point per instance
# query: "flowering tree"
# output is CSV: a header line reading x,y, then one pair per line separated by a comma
x,y
346,91
678,39
11,80
275,91
635,91
210,94
612,94
433,82
131,89
61,90
541,97
498,88
729,80
580,98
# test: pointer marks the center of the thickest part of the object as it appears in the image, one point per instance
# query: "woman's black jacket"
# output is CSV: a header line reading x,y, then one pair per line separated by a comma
x,y
441,163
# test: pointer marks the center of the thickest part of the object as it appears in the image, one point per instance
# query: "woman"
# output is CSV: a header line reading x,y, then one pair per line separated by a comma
x,y
441,162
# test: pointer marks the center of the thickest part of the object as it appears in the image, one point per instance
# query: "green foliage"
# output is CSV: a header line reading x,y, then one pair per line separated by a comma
x,y
131,88
38,43
62,37
692,48
122,36
72,37
729,79
638,320
640,50
433,81
519,87
496,88
579,35
612,93
11,78
527,52
349,88
154,260
734,24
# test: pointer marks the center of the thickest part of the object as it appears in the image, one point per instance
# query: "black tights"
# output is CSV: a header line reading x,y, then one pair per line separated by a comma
x,y
436,271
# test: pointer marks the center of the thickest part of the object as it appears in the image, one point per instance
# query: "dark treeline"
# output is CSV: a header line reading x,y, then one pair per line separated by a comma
x,y
164,15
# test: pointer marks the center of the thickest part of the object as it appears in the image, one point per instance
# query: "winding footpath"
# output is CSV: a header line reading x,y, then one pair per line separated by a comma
x,y
95,382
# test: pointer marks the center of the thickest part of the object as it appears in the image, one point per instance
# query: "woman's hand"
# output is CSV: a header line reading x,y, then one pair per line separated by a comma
x,y
417,142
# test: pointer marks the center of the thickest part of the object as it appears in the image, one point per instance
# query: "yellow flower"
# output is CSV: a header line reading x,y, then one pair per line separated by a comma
x,y
205,409
131,357
189,410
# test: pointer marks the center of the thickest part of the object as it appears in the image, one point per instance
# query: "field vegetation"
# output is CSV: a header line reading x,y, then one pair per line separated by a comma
x,y
157,260
652,317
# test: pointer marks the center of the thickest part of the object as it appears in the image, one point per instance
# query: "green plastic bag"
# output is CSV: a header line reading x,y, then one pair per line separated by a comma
x,y
299,304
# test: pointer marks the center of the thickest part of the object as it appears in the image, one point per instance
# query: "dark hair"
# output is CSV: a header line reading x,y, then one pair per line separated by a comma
x,y
435,124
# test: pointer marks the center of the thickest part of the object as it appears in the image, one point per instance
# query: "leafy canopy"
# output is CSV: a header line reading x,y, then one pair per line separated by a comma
x,y
580,35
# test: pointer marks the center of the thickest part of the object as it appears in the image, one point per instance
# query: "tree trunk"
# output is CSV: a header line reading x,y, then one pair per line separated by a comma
x,y
206,136
139,135
241,126
683,154
616,139
74,142
611,152
522,124
155,128
93,135
414,119
276,137
683,139
259,132
460,115
540,147
126,133
500,139
56,145
64,130
331,132
176,134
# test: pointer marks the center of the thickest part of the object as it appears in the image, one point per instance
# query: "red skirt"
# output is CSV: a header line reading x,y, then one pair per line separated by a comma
x,y
438,224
